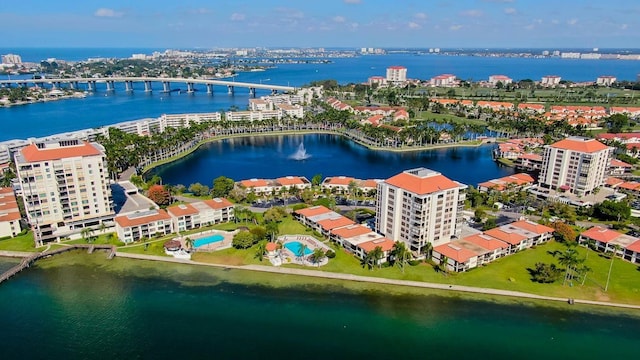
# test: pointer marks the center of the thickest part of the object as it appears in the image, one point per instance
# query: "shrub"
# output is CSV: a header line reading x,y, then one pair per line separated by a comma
x,y
414,262
330,254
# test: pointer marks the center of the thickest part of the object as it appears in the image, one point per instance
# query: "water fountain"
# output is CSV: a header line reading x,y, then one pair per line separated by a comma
x,y
300,154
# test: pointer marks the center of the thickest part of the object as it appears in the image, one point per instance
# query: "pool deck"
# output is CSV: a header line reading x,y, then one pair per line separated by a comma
x,y
214,246
288,257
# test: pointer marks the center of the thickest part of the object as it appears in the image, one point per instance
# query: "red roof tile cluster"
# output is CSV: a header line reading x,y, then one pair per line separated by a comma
x,y
9,210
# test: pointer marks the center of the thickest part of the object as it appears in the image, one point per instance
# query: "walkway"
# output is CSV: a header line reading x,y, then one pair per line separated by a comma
x,y
369,279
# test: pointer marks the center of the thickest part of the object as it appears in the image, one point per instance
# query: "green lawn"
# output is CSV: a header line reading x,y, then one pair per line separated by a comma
x,y
19,243
102,239
150,247
509,273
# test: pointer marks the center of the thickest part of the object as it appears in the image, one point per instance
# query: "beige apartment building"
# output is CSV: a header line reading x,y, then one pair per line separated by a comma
x,y
65,187
575,164
420,206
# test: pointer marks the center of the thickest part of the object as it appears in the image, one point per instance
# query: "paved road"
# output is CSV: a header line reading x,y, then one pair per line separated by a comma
x,y
369,279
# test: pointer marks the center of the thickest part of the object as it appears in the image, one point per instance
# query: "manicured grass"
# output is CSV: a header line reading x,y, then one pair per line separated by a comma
x,y
509,273
150,247
230,256
506,162
19,243
102,239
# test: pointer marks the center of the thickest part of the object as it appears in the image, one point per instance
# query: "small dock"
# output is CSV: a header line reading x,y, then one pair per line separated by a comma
x,y
28,261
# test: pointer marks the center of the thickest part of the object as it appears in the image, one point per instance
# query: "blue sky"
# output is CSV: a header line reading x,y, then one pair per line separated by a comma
x,y
327,23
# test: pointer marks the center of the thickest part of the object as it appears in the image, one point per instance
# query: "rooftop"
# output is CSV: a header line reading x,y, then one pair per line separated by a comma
x,y
580,144
422,181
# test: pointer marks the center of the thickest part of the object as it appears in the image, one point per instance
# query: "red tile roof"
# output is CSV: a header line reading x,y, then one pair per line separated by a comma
x,y
457,253
339,180
290,180
635,247
254,183
351,231
511,238
384,243
271,246
312,211
619,163
532,226
422,185
601,234
182,210
486,241
31,153
329,224
218,203
580,144
138,219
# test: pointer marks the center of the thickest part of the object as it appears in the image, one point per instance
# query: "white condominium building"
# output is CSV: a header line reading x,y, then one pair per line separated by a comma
x,y
65,187
396,74
575,164
420,206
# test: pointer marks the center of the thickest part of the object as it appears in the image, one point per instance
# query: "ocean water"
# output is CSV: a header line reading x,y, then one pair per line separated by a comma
x,y
84,306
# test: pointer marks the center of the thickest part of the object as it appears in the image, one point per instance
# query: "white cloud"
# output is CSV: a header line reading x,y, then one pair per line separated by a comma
x,y
237,17
455,27
529,27
472,13
572,22
624,27
339,19
352,1
354,26
510,11
104,12
555,21
414,26
420,16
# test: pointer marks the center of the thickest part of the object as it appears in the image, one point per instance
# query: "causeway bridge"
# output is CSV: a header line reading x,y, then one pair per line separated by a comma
x,y
109,83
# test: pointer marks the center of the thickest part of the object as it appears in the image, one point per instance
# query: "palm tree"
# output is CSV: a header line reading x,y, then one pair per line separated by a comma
x,y
400,254
86,234
260,250
188,242
616,248
302,250
569,259
317,256
427,250
443,263
376,255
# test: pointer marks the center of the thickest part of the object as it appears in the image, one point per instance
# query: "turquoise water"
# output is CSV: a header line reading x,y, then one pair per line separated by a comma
x,y
95,308
207,240
295,246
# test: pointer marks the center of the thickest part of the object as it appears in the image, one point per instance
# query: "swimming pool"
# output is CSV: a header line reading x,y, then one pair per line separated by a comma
x,y
295,246
207,240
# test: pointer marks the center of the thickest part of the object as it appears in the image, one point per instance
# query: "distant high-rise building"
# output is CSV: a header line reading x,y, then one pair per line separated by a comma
x,y
11,59
545,53
65,187
420,206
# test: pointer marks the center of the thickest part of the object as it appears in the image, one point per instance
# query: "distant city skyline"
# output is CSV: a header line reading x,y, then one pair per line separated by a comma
x,y
332,23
